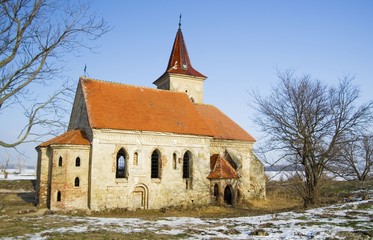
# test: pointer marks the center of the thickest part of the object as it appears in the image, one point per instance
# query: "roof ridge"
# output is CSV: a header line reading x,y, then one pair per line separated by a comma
x,y
130,85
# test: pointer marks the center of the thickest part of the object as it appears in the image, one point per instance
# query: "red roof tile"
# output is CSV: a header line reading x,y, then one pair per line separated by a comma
x,y
124,107
221,125
221,168
179,61
72,137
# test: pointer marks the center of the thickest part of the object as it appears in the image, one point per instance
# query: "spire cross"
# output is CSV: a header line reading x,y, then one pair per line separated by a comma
x,y
180,21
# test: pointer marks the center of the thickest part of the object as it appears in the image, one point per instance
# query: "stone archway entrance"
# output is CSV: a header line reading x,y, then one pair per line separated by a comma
x,y
228,196
140,197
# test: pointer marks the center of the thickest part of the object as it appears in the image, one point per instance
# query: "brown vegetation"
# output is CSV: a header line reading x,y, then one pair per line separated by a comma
x,y
19,216
17,198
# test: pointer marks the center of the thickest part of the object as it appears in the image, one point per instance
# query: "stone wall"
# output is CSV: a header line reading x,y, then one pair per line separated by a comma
x,y
251,183
63,174
138,188
79,115
42,177
99,187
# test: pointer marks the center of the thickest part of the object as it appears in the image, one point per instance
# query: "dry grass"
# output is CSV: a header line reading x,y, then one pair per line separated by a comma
x,y
18,215
280,197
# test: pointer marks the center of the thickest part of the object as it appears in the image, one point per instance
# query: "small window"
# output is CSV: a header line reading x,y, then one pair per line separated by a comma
x,y
174,161
60,162
136,159
216,191
77,162
121,164
58,196
77,182
155,163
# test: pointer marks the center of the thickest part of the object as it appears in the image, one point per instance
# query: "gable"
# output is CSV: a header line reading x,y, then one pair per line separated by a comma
x,y
221,168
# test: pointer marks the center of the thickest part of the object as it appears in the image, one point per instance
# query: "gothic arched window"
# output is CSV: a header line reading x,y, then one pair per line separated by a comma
x,y
155,165
121,164
186,165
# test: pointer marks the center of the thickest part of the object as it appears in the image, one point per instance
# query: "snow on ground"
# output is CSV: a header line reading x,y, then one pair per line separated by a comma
x,y
13,174
319,223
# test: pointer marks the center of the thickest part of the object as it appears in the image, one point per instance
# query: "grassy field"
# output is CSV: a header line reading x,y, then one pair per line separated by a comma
x,y
19,216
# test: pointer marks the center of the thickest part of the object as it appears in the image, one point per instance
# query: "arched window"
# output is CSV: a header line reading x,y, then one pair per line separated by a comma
x,y
136,159
77,182
155,165
186,165
121,164
228,196
60,162
174,161
58,196
77,162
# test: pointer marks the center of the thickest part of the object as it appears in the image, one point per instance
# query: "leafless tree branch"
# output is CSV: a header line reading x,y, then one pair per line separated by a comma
x,y
35,35
307,120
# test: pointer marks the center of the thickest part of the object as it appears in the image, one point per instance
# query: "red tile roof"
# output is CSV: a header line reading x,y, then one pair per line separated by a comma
x,y
179,61
124,107
221,168
72,137
221,125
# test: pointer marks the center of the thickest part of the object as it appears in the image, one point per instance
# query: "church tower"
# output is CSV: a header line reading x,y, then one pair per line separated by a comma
x,y
180,76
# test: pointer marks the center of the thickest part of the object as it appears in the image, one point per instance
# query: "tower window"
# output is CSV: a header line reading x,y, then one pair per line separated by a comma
x,y
77,182
121,164
60,162
77,162
155,165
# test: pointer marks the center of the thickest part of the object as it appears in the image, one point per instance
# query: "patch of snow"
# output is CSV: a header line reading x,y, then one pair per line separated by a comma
x,y
318,223
13,174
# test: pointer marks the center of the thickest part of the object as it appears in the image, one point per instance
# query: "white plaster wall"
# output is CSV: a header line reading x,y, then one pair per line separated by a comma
x,y
109,192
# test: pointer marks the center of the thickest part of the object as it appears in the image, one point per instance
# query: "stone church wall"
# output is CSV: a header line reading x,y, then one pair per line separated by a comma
x,y
79,115
251,184
139,190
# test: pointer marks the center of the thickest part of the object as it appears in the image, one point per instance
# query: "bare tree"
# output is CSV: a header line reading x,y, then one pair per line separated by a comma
x,y
35,36
5,163
355,158
305,121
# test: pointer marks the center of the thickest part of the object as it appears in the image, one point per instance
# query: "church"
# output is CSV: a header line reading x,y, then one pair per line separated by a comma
x,y
133,147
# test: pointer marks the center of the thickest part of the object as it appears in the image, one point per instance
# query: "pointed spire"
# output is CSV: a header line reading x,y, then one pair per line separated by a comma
x,y
179,61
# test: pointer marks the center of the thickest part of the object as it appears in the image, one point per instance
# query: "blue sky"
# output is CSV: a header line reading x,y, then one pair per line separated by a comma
x,y
238,45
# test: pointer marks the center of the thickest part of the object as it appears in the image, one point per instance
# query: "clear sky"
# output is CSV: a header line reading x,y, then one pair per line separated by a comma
x,y
238,45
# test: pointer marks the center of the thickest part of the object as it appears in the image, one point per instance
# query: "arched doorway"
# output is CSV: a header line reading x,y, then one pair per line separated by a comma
x,y
228,196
